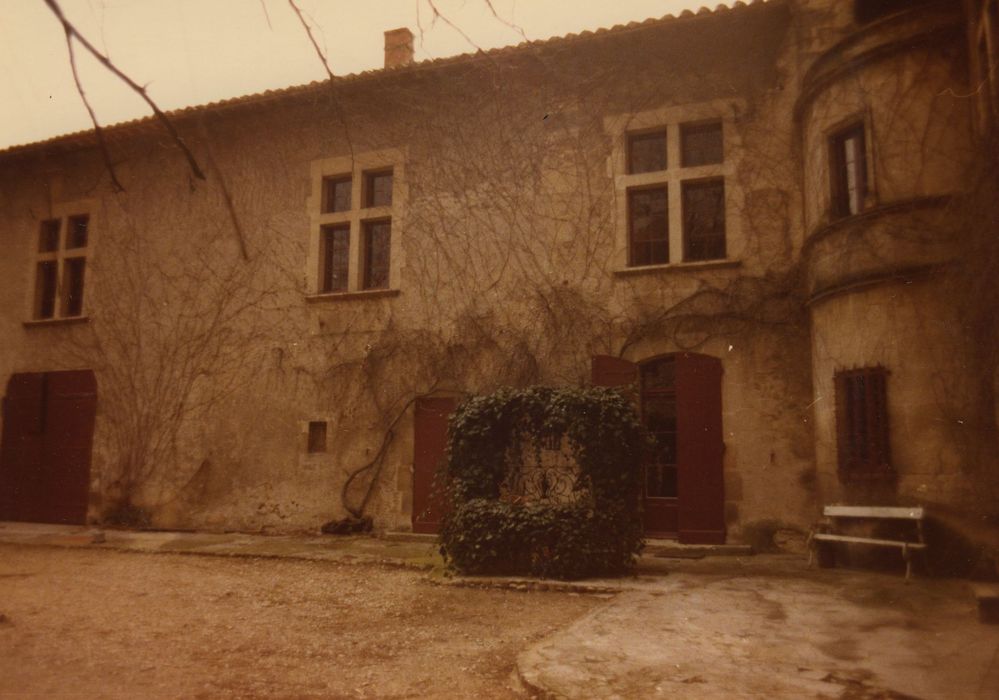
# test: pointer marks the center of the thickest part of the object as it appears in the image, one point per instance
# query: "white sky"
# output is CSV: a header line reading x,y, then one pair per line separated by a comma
x,y
195,51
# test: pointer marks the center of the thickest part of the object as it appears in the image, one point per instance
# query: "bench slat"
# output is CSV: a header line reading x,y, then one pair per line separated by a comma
x,y
904,513
867,540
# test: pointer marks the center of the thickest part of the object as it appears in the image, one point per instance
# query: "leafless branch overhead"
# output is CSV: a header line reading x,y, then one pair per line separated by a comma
x,y
73,33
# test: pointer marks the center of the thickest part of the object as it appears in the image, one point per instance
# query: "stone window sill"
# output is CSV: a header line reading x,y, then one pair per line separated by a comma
x,y
42,322
351,296
679,267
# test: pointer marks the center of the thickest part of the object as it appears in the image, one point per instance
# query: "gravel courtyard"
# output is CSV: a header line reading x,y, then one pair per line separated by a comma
x,y
100,623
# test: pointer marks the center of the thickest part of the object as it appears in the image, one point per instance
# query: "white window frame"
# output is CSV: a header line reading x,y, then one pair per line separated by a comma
x,y
619,128
356,167
62,212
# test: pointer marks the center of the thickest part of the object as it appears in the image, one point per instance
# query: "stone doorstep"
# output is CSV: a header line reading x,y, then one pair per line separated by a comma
x,y
672,548
653,547
401,536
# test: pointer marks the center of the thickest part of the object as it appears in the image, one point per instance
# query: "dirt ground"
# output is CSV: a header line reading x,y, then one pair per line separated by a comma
x,y
91,623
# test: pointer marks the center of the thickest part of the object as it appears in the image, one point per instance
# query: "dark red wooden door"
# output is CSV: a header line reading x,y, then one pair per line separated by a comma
x,y
659,503
700,449
429,446
48,427
680,401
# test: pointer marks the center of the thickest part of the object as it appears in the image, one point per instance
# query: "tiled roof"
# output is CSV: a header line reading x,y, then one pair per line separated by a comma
x,y
86,136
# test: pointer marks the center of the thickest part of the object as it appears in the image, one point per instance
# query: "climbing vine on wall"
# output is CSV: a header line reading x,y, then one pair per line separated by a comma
x,y
599,532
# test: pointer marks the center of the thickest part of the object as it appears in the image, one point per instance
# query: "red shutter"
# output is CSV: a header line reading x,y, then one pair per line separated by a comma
x,y
21,451
700,449
429,447
71,406
612,371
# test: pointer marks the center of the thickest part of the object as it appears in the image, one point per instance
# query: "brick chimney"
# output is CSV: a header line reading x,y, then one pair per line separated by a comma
x,y
398,48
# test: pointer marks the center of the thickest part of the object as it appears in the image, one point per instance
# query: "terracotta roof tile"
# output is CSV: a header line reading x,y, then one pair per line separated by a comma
x,y
86,136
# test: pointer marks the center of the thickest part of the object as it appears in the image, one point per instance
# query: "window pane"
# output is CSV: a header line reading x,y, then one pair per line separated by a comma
x,y
336,195
848,171
701,144
647,152
658,375
648,226
317,436
48,236
378,188
45,289
335,258
377,238
660,413
76,234
72,286
704,220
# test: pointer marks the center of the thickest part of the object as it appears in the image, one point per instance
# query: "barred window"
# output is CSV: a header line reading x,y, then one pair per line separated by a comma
x,y
862,423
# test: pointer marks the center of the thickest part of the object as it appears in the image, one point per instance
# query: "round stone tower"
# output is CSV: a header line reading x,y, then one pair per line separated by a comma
x,y
886,136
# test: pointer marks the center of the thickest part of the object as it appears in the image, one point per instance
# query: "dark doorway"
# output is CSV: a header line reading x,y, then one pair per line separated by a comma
x,y
679,397
48,429
429,447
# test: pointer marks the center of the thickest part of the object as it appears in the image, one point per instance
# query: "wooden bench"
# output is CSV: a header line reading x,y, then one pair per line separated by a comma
x,y
835,515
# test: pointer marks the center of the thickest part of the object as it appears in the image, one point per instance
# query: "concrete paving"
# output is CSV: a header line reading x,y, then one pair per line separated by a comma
x,y
768,626
732,626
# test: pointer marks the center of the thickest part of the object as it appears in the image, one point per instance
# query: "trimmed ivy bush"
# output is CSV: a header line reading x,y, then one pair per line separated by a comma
x,y
598,533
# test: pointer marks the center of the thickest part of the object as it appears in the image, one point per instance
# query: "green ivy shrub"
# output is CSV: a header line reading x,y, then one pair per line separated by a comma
x,y
599,533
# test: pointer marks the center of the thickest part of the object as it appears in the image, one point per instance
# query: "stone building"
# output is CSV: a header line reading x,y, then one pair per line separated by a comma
x,y
756,217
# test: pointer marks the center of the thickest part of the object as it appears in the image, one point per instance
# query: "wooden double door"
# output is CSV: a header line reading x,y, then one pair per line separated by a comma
x,y
679,397
48,428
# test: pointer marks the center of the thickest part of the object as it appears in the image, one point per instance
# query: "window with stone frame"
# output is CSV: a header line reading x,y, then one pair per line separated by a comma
x,y
60,267
354,225
848,171
862,439
675,199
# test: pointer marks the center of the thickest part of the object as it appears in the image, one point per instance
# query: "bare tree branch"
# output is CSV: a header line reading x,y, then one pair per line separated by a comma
x,y
329,74
267,15
515,27
226,195
73,33
439,15
102,142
